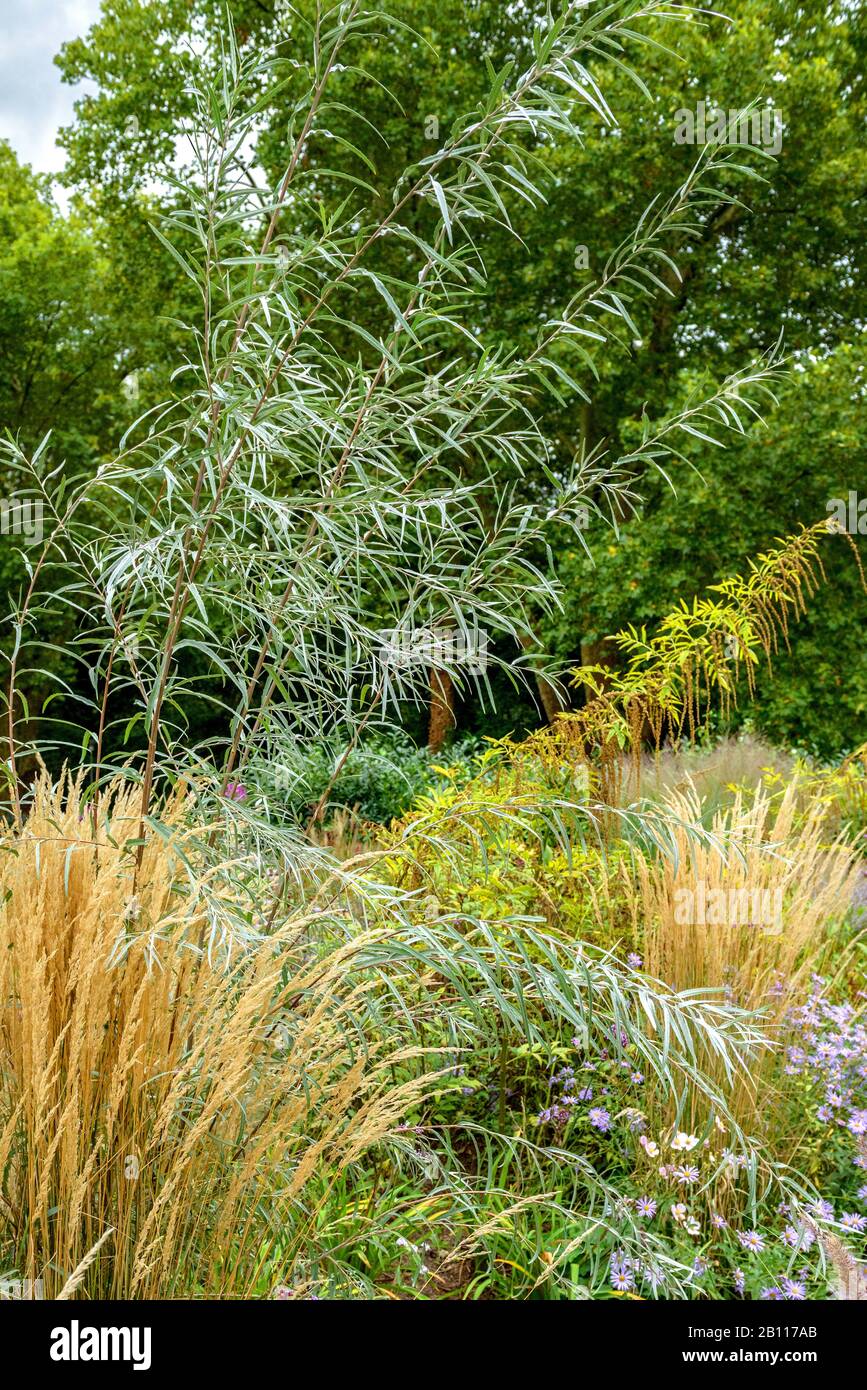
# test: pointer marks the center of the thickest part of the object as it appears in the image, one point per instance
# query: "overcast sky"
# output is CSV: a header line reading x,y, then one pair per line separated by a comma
x,y
33,100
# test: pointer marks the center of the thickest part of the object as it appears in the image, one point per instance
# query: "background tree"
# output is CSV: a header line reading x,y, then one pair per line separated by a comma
x,y
790,256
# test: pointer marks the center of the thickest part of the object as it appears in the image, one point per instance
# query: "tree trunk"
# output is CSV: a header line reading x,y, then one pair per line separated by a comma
x,y
442,709
601,653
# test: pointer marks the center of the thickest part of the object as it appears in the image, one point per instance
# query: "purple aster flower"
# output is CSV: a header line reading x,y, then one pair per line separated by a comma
x,y
634,959
622,1278
718,1221
823,1209
599,1119
853,1222
646,1207
555,1114
586,1093
794,1290
792,1238
772,1294
740,1280
752,1241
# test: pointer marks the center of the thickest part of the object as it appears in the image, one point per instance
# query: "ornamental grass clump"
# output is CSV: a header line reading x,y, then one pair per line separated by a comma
x,y
753,911
169,1108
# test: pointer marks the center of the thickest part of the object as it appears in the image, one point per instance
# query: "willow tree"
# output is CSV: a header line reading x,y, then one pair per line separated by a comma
x,y
294,503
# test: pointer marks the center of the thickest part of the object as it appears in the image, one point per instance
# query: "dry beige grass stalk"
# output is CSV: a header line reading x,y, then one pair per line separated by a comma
x,y
185,1106
770,848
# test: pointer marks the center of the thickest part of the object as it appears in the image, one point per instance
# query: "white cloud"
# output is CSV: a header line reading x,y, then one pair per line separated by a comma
x,y
34,102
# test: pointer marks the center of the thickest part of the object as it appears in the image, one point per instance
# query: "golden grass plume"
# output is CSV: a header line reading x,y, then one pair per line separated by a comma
x,y
182,1104
752,914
